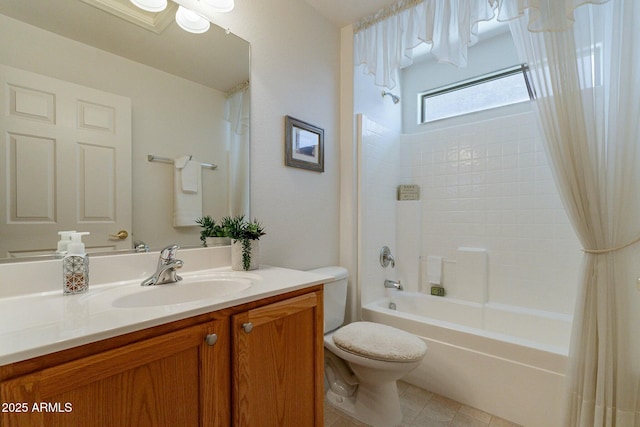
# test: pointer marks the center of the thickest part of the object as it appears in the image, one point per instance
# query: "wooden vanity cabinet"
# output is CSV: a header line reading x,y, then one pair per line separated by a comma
x,y
278,364
176,379
263,367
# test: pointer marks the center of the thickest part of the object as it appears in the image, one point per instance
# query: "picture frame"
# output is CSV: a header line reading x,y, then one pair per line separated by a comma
x,y
303,145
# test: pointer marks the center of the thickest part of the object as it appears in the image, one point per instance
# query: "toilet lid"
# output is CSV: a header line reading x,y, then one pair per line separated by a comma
x,y
380,342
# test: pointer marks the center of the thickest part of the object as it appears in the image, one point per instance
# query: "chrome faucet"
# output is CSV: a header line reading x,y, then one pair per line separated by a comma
x,y
140,246
386,258
166,269
392,284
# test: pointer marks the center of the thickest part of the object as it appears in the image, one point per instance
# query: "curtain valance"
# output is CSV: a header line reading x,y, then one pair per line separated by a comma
x,y
384,42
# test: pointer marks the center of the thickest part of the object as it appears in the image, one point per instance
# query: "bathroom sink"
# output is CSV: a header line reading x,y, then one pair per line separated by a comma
x,y
185,291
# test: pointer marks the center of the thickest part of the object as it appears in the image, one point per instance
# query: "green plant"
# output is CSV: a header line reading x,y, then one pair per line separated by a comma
x,y
242,230
210,228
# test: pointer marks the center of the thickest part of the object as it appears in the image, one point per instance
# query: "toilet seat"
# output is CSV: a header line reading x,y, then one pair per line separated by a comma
x,y
379,342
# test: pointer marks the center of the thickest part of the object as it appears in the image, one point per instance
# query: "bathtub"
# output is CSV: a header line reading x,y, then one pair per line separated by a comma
x,y
503,360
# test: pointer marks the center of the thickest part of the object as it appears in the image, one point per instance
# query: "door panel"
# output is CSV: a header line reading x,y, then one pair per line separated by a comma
x,y
65,151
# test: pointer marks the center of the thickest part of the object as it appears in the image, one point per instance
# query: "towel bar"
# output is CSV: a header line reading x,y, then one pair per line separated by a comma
x,y
152,158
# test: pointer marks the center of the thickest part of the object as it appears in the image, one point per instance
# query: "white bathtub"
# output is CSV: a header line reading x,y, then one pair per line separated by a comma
x,y
504,360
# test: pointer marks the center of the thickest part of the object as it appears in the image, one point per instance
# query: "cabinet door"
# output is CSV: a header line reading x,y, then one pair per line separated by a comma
x,y
176,379
277,364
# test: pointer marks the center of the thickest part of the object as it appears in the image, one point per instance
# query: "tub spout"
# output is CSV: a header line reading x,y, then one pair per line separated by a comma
x,y
392,284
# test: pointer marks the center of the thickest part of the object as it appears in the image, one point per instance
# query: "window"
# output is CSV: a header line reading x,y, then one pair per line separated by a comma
x,y
503,87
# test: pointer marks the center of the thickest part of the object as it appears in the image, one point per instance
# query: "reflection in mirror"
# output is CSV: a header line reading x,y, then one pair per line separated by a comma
x,y
94,88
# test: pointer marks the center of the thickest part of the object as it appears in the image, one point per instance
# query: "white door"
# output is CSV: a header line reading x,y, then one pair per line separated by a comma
x,y
65,154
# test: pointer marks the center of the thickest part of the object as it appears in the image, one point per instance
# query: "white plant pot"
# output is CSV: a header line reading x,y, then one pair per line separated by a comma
x,y
237,261
217,241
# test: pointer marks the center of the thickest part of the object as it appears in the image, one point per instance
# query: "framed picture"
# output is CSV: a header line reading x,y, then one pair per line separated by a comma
x,y
303,145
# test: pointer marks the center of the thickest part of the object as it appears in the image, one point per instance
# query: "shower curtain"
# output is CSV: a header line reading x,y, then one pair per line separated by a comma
x,y
587,81
237,109
585,60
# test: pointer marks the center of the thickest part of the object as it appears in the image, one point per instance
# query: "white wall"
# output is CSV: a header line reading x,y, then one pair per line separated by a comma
x,y
295,56
348,166
369,101
171,117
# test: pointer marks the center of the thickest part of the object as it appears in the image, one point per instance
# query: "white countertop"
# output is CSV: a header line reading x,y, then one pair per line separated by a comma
x,y
40,323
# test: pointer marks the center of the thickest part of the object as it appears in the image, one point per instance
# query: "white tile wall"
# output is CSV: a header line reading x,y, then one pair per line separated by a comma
x,y
379,161
488,184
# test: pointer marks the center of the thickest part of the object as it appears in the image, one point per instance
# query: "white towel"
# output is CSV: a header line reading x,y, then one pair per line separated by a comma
x,y
189,173
434,270
187,203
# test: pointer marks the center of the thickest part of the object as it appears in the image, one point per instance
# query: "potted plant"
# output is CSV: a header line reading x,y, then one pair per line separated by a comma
x,y
212,234
244,235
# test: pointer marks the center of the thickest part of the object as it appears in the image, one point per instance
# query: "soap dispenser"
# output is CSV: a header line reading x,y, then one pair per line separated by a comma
x,y
63,243
75,266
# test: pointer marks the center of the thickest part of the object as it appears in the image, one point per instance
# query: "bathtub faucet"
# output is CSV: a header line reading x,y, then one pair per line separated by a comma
x,y
392,284
386,258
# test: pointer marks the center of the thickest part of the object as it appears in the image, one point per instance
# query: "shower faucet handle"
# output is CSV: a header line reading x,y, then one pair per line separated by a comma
x,y
386,258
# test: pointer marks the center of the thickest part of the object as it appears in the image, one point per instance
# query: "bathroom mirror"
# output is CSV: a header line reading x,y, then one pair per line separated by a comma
x,y
183,94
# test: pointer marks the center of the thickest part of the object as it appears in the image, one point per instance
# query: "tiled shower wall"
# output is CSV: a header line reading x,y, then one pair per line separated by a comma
x,y
488,184
378,176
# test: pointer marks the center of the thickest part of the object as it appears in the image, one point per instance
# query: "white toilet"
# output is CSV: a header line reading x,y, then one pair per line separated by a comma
x,y
363,360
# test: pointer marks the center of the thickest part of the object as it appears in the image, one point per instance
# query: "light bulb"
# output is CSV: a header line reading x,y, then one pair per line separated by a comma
x,y
220,5
151,5
190,21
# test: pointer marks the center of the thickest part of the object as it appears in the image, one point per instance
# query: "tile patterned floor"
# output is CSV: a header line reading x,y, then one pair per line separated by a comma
x,y
422,408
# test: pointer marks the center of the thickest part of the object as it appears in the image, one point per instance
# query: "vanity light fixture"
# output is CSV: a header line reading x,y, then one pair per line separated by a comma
x,y
186,18
220,5
151,5
191,21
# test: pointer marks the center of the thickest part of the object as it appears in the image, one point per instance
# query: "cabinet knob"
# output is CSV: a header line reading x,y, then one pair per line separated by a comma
x,y
247,327
211,339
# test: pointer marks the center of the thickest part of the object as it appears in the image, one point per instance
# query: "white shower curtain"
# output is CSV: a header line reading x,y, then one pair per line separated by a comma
x,y
237,110
587,80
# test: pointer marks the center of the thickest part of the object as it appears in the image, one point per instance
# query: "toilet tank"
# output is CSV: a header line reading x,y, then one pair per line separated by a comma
x,y
335,296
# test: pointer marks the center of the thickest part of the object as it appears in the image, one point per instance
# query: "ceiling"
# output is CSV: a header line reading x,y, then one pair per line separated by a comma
x,y
344,12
